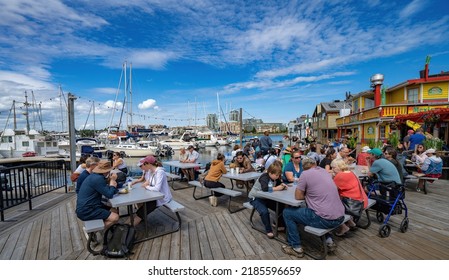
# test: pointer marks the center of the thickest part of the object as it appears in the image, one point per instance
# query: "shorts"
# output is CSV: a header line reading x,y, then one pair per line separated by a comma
x,y
101,212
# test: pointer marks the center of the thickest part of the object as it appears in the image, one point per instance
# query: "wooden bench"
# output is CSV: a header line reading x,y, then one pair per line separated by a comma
x,y
224,191
321,233
91,227
171,178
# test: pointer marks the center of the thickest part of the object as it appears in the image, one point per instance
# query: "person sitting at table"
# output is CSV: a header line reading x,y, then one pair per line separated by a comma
x,y
262,205
244,164
211,181
391,154
91,163
432,167
344,154
331,154
324,208
119,163
146,174
182,158
270,158
348,185
192,157
362,156
419,155
293,169
286,157
385,171
157,182
89,205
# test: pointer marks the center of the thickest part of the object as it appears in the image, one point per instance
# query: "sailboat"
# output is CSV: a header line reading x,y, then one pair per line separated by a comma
x,y
126,141
26,142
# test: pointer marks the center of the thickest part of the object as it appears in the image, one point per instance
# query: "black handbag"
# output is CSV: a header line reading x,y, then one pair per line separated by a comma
x,y
353,207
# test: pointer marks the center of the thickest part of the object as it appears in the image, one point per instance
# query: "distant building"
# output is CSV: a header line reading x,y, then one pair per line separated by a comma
x,y
234,116
325,116
212,121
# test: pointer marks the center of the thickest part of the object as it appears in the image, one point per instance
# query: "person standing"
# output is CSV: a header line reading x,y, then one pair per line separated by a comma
x,y
416,139
324,207
406,140
265,142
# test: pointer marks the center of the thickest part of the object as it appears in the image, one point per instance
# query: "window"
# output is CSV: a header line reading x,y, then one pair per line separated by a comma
x,y
355,106
382,132
412,95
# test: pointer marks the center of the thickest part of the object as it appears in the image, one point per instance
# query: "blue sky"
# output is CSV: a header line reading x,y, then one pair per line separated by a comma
x,y
276,60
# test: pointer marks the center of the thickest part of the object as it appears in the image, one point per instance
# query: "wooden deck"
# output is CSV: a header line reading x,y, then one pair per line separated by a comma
x,y
52,231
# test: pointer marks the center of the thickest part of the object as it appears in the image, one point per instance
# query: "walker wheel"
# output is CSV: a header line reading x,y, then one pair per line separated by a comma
x,y
384,231
404,225
379,216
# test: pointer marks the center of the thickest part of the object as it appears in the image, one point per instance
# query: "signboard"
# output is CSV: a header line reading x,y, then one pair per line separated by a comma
x,y
435,91
370,130
417,109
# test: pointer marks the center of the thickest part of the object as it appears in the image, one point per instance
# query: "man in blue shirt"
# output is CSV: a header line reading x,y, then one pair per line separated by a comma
x,y
416,139
385,170
265,143
89,205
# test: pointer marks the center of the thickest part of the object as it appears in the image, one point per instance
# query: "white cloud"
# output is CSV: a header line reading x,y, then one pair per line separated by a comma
x,y
147,104
412,8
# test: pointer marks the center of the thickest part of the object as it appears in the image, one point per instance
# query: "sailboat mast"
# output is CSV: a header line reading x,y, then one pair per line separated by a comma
x,y
60,107
126,93
93,105
26,112
130,109
219,113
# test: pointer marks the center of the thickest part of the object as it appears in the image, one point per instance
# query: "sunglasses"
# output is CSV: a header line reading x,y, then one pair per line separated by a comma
x,y
296,157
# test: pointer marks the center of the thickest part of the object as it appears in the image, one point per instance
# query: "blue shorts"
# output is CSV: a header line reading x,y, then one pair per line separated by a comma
x,y
102,212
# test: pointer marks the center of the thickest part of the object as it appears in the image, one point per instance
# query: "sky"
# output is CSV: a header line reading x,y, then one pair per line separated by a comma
x,y
274,59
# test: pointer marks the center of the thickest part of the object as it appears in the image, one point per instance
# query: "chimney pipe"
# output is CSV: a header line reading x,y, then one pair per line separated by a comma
x,y
376,82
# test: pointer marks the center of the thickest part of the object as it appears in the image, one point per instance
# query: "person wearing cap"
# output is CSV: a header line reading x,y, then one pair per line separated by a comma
x,y
385,171
363,156
406,139
89,205
91,163
146,174
324,208
432,167
192,157
157,182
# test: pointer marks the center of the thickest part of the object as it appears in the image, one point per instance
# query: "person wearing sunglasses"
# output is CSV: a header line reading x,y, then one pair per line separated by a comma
x,y
293,168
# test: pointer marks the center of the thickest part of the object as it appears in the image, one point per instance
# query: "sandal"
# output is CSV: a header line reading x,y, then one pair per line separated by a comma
x,y
270,235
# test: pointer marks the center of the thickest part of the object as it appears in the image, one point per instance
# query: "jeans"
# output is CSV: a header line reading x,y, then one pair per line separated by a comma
x,y
307,217
262,205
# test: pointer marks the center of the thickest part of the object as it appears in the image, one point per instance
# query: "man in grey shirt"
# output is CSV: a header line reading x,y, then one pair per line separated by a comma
x,y
265,143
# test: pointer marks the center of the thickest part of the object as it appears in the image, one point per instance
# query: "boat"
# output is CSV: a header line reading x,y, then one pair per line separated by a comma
x,y
211,139
16,143
179,143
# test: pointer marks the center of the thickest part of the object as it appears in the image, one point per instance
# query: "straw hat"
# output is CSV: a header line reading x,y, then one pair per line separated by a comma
x,y
103,166
288,150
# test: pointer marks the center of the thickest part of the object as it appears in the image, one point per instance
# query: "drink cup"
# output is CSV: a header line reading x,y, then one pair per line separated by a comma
x,y
232,170
237,170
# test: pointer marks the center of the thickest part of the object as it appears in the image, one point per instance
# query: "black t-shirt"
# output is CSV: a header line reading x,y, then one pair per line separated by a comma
x,y
324,162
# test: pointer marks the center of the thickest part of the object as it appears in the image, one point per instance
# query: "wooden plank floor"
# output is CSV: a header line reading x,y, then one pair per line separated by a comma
x,y
52,231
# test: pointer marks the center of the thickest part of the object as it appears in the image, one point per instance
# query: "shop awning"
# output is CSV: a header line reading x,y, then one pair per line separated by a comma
x,y
440,114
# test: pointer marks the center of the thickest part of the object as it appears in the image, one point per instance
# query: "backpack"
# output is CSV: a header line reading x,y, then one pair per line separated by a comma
x,y
119,241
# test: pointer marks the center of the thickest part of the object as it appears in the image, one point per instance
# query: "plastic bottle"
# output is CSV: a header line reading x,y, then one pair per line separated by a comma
x,y
295,181
270,186
128,183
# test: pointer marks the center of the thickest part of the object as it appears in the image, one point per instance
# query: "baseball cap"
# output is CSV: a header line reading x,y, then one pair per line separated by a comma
x,y
375,151
147,159
365,149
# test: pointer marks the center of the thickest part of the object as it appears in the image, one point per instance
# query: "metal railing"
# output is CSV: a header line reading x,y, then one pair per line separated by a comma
x,y
20,184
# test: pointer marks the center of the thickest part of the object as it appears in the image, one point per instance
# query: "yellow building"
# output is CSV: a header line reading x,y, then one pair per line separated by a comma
x,y
373,112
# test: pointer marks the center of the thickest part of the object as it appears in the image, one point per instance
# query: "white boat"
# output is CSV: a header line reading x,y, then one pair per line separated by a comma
x,y
179,143
210,139
18,143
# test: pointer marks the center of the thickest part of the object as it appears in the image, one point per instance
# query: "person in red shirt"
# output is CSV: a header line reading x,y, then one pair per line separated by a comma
x,y
349,186
363,156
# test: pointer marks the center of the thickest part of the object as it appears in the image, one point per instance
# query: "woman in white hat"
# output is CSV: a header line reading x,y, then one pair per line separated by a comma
x,y
432,167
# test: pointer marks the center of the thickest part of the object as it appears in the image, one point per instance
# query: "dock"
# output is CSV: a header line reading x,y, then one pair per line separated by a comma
x,y
51,231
